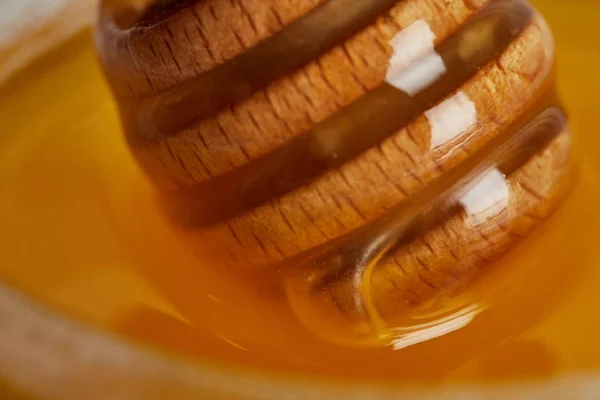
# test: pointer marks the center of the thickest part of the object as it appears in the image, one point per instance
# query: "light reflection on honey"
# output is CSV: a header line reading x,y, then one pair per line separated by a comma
x,y
81,230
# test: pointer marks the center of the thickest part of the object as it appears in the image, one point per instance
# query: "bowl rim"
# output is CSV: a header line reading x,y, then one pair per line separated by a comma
x,y
44,354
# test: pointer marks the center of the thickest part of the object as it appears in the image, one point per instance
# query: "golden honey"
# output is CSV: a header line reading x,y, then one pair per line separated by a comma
x,y
83,231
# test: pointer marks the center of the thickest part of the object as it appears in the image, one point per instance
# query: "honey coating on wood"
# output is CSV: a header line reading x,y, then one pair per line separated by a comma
x,y
371,143
440,301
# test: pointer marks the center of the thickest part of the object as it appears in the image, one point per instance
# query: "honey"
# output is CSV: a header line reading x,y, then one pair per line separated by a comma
x,y
84,231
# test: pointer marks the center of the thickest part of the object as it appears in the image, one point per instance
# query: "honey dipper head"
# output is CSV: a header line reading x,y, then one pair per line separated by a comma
x,y
380,151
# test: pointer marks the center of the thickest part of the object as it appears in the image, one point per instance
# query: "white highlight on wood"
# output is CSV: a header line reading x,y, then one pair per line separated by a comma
x,y
451,119
414,65
487,198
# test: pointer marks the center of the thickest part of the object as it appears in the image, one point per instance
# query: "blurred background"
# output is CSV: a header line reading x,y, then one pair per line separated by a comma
x,y
30,27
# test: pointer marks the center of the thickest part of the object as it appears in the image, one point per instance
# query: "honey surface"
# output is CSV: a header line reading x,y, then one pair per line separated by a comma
x,y
81,230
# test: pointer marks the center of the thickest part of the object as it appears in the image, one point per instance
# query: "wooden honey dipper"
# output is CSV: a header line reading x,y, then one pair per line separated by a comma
x,y
382,150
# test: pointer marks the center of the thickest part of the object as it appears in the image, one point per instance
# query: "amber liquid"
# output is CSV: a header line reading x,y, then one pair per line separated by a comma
x,y
82,231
